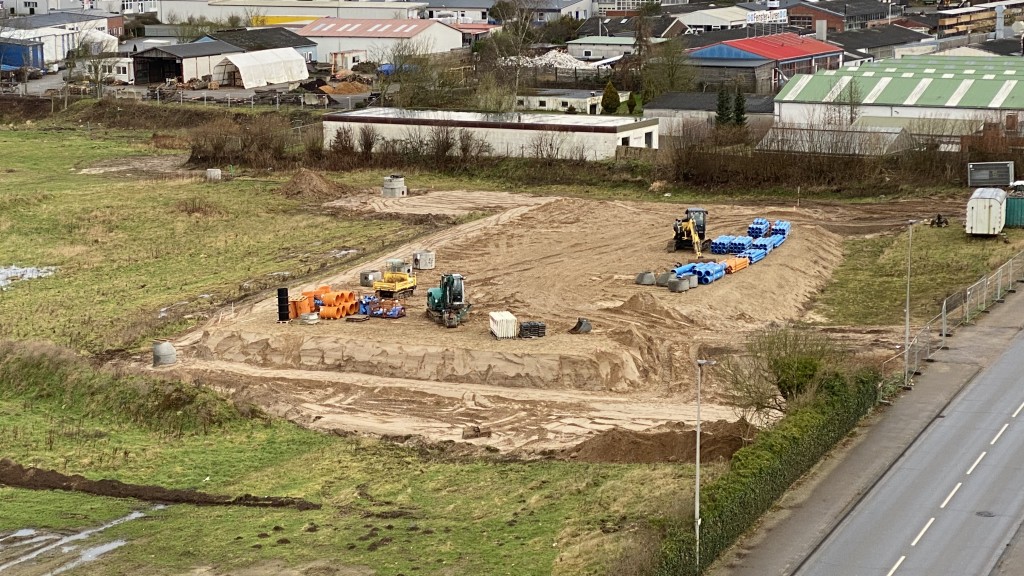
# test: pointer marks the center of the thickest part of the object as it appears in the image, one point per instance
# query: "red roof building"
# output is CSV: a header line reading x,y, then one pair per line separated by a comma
x,y
790,53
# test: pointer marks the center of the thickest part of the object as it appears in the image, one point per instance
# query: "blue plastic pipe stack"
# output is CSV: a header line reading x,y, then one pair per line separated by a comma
x,y
721,244
781,228
708,272
684,269
755,255
739,244
758,228
765,243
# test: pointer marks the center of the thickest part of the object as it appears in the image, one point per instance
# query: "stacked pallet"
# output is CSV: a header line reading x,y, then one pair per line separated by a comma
x,y
532,329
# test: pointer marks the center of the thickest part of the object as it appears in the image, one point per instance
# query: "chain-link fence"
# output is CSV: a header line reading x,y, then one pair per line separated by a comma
x,y
957,310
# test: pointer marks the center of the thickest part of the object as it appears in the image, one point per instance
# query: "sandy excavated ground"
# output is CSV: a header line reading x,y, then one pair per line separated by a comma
x,y
546,259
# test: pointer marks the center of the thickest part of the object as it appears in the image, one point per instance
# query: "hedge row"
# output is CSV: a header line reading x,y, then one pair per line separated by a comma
x,y
762,472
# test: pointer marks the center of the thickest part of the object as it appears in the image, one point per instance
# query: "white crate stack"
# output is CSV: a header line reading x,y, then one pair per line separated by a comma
x,y
504,325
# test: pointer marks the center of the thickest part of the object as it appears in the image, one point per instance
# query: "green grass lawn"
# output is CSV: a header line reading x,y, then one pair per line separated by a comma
x,y
396,509
869,287
127,248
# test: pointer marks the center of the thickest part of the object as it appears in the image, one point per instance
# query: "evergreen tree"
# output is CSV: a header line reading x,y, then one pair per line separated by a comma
x,y
610,101
723,115
739,109
631,102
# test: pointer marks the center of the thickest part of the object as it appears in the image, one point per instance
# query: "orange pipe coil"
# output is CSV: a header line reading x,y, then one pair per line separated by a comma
x,y
330,312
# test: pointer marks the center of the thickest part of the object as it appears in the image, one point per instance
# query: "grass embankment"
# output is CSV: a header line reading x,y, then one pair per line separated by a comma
x,y
392,508
869,287
128,247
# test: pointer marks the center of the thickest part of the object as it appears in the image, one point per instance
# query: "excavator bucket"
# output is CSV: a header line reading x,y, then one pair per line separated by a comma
x,y
582,326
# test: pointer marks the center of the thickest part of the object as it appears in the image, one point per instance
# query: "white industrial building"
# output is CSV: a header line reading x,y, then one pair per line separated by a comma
x,y
592,48
56,41
377,37
724,18
510,134
288,12
936,88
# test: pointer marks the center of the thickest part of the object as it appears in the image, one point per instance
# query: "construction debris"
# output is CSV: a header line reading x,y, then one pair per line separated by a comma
x,y
552,59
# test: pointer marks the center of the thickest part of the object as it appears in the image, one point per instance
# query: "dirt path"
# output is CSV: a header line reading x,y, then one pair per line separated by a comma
x,y
527,420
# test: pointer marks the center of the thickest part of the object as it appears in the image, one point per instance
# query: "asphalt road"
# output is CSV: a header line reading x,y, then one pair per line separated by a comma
x,y
953,502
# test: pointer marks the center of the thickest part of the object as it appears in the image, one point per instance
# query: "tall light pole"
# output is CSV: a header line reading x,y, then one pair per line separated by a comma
x,y
906,321
696,493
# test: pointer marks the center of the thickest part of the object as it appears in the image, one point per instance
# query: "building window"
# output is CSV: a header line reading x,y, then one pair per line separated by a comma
x,y
31,4
356,60
627,52
625,141
587,53
649,139
107,69
520,102
542,103
565,103
122,70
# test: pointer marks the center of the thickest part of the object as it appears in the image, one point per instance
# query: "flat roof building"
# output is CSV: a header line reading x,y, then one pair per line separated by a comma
x,y
569,136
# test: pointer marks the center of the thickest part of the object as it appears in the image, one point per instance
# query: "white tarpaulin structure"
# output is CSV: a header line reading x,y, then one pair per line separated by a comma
x,y
260,68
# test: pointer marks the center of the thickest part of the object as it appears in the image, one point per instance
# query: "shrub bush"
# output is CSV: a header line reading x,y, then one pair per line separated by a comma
x,y
762,472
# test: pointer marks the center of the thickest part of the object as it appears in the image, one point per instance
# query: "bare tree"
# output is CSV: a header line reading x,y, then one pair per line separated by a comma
x,y
506,51
254,17
666,70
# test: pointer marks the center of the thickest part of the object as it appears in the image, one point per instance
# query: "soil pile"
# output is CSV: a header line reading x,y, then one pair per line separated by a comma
x,y
14,474
308,185
718,440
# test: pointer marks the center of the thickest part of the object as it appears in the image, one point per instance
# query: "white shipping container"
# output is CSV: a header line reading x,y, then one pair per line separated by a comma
x,y
986,212
504,325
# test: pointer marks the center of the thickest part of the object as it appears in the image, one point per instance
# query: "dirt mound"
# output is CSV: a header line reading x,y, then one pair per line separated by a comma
x,y
718,440
647,304
308,185
14,474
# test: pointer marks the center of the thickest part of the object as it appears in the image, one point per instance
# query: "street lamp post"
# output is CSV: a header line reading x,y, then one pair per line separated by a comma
x,y
906,319
696,493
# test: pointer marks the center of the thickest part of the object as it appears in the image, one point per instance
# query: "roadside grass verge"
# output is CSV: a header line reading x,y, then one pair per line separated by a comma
x,y
143,258
397,509
869,287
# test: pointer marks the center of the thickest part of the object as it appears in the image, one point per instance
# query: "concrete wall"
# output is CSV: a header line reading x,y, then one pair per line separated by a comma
x,y
588,105
598,51
438,39
523,143
810,113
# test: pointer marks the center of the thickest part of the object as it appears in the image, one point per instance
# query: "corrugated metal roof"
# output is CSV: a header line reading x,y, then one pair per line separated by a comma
x,y
993,83
989,194
366,28
784,46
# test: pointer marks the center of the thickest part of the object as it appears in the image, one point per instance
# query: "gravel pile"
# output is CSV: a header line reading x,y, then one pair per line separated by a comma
x,y
552,59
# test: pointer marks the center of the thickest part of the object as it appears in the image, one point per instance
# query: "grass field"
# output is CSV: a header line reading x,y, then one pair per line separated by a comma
x,y
395,509
137,257
869,287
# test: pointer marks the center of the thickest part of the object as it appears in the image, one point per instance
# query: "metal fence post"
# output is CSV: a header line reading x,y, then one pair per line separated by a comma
x,y
967,307
999,286
944,326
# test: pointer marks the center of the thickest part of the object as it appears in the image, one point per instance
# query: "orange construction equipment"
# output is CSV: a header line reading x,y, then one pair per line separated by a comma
x,y
734,265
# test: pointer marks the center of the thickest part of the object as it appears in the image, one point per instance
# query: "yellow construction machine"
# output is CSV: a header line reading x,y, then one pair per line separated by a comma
x,y
691,232
398,281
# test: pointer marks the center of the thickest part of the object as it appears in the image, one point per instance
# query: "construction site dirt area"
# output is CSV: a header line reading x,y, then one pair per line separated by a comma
x,y
546,259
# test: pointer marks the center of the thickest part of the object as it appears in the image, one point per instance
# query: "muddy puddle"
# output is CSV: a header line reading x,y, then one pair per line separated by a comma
x,y
33,552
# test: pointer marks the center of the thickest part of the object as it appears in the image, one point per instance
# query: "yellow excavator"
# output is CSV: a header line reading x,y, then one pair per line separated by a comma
x,y
691,232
